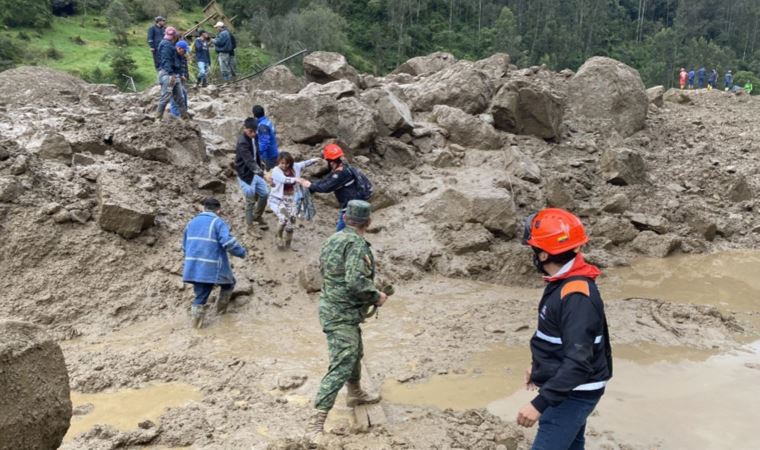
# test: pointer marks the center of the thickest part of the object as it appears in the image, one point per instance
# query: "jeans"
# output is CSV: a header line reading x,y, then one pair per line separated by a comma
x,y
203,291
562,427
203,72
226,66
170,91
173,107
257,187
341,222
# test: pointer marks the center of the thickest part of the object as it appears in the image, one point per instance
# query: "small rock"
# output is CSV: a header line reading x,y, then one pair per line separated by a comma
x,y
146,424
80,215
213,184
20,165
10,189
658,224
51,208
62,216
289,382
618,203
652,244
82,160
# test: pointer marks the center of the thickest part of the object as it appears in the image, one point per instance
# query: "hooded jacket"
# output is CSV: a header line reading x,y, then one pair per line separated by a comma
x,y
571,352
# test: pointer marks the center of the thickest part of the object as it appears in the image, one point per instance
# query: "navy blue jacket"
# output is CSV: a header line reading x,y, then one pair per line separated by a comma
x,y
729,80
223,42
206,243
167,58
247,159
201,51
571,351
155,35
342,183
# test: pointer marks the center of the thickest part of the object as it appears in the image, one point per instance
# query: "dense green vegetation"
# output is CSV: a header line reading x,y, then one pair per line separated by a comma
x,y
655,36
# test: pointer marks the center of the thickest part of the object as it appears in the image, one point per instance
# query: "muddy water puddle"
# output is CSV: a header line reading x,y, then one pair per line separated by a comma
x,y
726,279
124,409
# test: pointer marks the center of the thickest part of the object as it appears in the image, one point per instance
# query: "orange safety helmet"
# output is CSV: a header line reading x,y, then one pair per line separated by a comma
x,y
554,231
332,152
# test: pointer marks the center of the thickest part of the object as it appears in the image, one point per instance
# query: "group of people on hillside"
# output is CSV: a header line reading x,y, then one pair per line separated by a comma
x,y
571,352
698,79
171,55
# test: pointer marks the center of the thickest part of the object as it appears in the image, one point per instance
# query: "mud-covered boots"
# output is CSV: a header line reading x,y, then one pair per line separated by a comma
x,y
315,427
358,396
289,240
223,301
197,312
278,238
258,213
249,207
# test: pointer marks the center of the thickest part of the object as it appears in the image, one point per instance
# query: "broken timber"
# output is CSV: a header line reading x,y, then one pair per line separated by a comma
x,y
369,415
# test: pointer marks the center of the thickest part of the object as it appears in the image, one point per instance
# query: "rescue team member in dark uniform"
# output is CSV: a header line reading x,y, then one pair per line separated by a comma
x,y
571,352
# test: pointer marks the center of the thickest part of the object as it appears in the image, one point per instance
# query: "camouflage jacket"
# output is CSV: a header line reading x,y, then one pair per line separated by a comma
x,y
348,273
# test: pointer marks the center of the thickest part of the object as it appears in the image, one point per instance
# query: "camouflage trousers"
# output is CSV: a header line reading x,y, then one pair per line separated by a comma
x,y
344,344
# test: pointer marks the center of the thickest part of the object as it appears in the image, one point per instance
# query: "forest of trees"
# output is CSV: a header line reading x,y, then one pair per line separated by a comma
x,y
655,36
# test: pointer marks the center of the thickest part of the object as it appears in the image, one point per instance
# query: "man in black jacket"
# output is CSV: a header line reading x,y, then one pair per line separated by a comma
x,y
250,171
155,35
340,180
571,352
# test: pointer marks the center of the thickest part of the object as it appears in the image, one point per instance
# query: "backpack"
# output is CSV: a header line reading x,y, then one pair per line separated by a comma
x,y
364,189
233,42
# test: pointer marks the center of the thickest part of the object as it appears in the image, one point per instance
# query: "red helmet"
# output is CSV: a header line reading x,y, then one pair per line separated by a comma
x,y
554,231
332,152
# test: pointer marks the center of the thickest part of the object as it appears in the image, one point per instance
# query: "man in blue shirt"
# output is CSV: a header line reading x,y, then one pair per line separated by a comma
x,y
202,57
170,75
225,49
266,136
729,80
206,242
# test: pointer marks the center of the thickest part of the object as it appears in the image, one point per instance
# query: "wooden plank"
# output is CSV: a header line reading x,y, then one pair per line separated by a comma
x,y
369,415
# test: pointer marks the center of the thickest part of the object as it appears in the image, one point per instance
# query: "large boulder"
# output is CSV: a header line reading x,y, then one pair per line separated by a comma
x,y
490,206
304,119
495,66
460,86
356,123
123,209
426,65
395,152
278,78
35,407
393,114
324,67
51,146
334,89
522,108
607,93
164,142
655,95
652,244
622,167
467,130
676,96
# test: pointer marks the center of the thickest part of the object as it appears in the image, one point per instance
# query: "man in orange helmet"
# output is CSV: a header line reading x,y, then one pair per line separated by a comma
x,y
346,182
571,352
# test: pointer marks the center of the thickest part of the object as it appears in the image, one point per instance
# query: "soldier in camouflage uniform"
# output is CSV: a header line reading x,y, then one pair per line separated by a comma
x,y
348,271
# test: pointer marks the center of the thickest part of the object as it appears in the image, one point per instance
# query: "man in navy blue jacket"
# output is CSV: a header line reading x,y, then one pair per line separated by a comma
x,y
155,34
571,352
206,243
170,75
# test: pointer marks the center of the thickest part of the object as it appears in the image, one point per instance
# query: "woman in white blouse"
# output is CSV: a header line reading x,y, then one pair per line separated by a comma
x,y
285,178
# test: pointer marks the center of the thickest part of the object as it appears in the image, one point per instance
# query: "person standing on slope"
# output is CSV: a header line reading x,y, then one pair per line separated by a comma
x,y
155,34
225,48
701,77
169,75
206,243
202,57
682,76
691,79
712,82
348,270
728,80
571,351
250,170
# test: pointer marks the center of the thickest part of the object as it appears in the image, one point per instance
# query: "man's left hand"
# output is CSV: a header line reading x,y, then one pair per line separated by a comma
x,y
528,415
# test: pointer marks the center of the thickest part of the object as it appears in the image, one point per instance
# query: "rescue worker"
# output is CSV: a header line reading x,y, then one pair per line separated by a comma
x,y
266,136
225,51
169,75
728,80
340,180
202,57
155,34
348,269
250,170
682,76
206,244
571,352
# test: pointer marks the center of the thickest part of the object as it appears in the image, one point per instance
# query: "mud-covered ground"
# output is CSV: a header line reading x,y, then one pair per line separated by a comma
x,y
464,289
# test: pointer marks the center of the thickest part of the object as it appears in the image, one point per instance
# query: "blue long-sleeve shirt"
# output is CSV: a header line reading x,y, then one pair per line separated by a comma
x,y
155,35
167,58
729,80
223,42
267,138
202,51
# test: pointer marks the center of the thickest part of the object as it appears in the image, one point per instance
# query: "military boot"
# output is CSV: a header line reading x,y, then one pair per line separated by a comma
x,y
222,301
315,427
278,239
258,213
289,240
197,312
358,396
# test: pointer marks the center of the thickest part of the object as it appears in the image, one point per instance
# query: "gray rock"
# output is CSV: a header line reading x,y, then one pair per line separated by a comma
x,y
122,208
395,152
676,96
622,167
10,189
618,204
393,114
617,229
20,165
426,65
460,86
82,160
289,382
465,238
467,130
214,185
51,208
652,244
655,95
491,207
357,123
558,194
521,166
528,109
310,278
609,94
278,78
334,89
35,408
658,224
304,119
52,146
495,66
80,215
324,67
62,216
739,190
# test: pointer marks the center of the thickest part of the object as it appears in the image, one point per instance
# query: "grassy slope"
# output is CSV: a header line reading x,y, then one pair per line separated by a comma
x,y
81,59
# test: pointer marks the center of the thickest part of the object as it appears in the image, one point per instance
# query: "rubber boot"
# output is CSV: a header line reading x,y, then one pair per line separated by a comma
x,y
249,211
197,312
278,240
358,396
288,239
222,301
315,427
159,116
258,213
